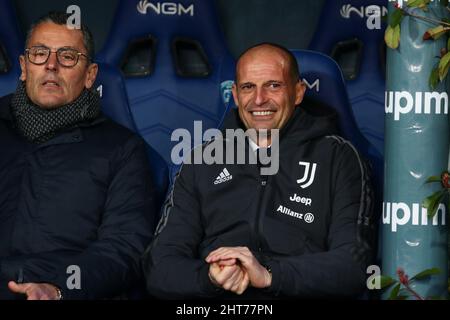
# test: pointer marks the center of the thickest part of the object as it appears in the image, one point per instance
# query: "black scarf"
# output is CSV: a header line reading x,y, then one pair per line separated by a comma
x,y
39,125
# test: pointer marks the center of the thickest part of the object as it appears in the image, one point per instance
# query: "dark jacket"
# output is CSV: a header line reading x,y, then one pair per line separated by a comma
x,y
83,199
304,232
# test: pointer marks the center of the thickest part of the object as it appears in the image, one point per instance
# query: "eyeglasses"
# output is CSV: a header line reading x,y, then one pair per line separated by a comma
x,y
67,57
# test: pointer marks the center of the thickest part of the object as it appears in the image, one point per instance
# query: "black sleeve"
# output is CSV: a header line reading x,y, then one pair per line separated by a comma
x,y
172,265
336,272
110,265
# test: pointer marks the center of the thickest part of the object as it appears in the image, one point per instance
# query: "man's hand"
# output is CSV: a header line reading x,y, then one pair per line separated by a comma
x,y
258,275
35,291
229,276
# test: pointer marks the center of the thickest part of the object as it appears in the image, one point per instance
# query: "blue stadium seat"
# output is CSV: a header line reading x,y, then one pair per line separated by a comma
x,y
109,84
175,66
343,33
11,46
326,85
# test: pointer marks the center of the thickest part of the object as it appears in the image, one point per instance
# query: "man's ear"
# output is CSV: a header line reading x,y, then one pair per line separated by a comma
x,y
91,75
300,89
23,68
235,95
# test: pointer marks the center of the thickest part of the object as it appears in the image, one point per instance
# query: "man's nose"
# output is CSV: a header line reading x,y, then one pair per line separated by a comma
x,y
52,62
261,96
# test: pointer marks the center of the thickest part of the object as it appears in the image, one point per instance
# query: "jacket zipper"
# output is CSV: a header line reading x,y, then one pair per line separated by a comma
x,y
259,214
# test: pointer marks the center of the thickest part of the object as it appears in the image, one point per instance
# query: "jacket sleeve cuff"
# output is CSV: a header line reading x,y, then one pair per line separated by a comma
x,y
275,287
208,287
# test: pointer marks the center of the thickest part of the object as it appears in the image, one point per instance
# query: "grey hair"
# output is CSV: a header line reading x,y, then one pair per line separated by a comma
x,y
60,18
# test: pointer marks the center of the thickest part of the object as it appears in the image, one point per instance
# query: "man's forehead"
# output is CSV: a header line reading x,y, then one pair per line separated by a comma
x,y
255,64
264,51
57,35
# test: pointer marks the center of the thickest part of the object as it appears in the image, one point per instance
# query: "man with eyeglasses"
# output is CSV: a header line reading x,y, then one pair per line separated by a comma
x,y
76,201
230,231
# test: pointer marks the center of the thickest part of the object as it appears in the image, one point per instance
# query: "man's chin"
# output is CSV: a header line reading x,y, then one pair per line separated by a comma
x,y
262,128
50,102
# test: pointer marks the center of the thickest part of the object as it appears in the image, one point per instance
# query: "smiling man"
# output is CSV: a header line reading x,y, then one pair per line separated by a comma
x,y
267,89
228,230
76,202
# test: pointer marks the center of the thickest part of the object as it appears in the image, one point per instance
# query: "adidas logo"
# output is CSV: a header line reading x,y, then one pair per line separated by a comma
x,y
224,176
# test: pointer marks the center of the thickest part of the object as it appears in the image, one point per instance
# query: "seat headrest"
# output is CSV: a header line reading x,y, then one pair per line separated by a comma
x,y
11,46
195,19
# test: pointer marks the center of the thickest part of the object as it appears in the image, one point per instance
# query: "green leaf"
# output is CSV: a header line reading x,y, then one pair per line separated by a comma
x,y
444,64
433,81
437,32
433,178
392,36
418,3
386,281
448,209
426,273
394,292
432,202
395,18
428,201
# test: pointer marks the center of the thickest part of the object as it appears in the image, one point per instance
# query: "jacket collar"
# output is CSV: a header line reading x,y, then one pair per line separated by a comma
x,y
70,136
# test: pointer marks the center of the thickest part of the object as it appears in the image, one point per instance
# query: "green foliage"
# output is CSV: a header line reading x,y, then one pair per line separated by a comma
x,y
395,18
434,78
433,179
444,64
432,201
426,274
392,36
394,292
403,286
422,4
441,28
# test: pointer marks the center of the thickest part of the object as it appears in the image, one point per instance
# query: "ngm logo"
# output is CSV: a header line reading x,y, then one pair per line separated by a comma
x,y
313,85
403,102
399,214
165,8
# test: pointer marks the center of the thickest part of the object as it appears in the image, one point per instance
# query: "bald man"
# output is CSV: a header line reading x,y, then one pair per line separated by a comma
x,y
229,231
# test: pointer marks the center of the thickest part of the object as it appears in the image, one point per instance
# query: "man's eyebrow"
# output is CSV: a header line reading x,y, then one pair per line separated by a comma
x,y
70,47
274,81
245,83
40,44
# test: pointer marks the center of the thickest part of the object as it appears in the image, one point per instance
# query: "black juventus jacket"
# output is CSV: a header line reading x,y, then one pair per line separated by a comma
x,y
301,222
